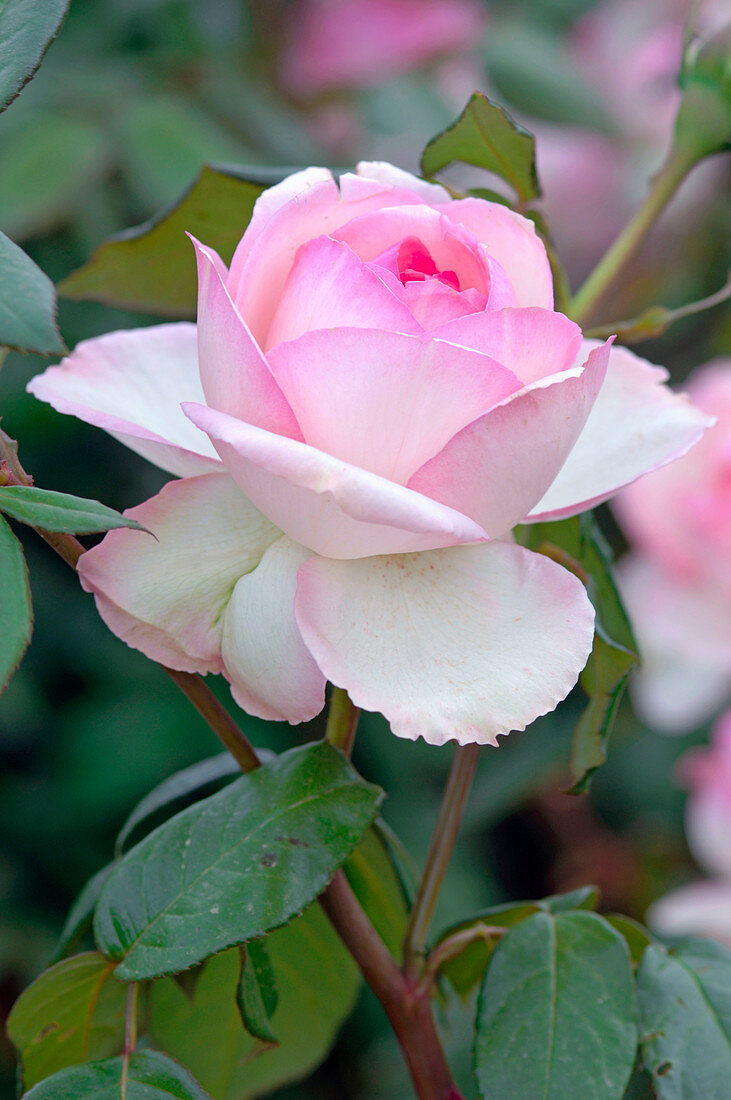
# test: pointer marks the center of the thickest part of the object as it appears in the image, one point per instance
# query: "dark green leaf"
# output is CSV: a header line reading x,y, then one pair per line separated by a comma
x,y
27,304
81,913
685,1020
74,1012
234,865
182,785
152,267
59,511
150,1076
376,883
557,1012
578,544
485,135
256,994
317,983
27,29
584,897
16,610
636,935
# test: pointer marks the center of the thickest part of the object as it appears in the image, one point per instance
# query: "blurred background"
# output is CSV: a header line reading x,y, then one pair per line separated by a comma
x,y
129,103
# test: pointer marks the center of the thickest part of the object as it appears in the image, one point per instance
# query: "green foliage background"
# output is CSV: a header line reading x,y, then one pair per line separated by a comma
x,y
130,101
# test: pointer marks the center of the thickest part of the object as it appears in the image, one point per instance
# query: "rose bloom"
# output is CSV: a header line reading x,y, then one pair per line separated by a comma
x,y
377,391
704,908
677,581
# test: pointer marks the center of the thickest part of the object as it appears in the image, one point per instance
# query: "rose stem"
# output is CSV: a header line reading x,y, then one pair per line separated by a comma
x,y
342,721
625,248
440,851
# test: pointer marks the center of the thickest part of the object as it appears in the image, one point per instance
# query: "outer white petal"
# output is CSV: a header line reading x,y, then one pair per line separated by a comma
x,y
708,826
636,425
389,174
460,644
273,675
701,909
131,383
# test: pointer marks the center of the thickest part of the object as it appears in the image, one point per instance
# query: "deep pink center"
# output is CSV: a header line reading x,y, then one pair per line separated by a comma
x,y
415,263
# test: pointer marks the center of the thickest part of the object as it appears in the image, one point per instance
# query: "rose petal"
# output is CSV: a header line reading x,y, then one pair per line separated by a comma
x,y
334,508
329,287
273,675
534,343
166,595
499,466
636,425
701,909
235,375
512,240
467,643
131,384
384,401
391,176
708,825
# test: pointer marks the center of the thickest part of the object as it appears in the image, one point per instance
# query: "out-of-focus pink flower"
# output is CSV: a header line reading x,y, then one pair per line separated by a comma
x,y
344,44
378,390
704,908
677,581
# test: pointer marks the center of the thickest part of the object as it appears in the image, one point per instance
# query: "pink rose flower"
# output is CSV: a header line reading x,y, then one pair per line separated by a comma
x,y
377,391
677,583
704,908
342,44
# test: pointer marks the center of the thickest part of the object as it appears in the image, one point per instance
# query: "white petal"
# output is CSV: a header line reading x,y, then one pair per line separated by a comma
x,y
701,909
465,643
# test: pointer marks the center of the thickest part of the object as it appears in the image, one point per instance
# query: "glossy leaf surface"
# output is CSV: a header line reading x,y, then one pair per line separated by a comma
x,y
27,29
150,1076
59,511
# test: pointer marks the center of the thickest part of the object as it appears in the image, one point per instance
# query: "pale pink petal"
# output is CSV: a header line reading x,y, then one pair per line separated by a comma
x,y
234,373
461,644
684,635
330,287
498,467
532,342
433,304
131,384
324,503
166,595
512,240
636,425
451,247
391,176
272,673
385,401
701,909
708,827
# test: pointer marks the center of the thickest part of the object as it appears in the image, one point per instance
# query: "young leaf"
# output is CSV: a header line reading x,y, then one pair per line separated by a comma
x,y
151,268
256,993
150,1076
81,913
557,1015
16,610
234,865
485,135
685,1020
27,304
59,511
317,982
74,1012
578,544
27,29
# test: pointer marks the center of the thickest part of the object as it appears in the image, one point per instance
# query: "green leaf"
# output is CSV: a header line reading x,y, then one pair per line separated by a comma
x,y
317,983
234,865
557,1015
27,29
81,913
60,511
685,1020
485,135
465,970
152,268
578,544
16,610
256,993
74,1012
27,304
150,1076
182,785
635,934
377,885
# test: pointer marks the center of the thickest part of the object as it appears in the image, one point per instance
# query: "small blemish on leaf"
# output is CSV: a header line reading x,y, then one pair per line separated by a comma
x,y
269,859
